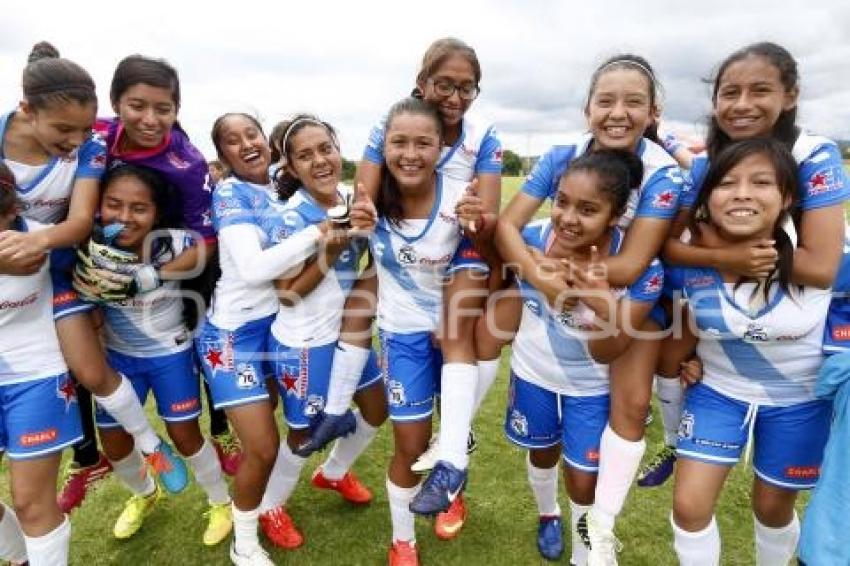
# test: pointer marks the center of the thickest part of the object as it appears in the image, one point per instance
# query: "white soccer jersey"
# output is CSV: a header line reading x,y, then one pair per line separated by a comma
x,y
477,150
29,347
315,319
45,190
411,261
770,357
151,324
550,348
238,299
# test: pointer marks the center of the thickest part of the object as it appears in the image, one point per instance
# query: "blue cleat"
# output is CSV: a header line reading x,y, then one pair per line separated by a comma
x,y
442,486
658,469
170,468
550,537
326,429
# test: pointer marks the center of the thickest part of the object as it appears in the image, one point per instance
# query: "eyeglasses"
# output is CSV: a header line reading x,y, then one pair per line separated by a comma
x,y
445,87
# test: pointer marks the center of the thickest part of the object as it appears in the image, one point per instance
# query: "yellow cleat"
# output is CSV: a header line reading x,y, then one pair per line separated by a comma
x,y
219,525
135,510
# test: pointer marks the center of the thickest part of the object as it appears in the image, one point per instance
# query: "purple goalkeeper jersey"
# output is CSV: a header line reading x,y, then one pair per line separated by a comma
x,y
178,161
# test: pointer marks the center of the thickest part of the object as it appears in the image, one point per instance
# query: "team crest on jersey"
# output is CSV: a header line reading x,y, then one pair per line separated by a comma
x,y
755,333
825,181
246,376
407,255
315,405
568,318
519,424
220,357
98,161
686,425
66,391
664,199
395,391
177,161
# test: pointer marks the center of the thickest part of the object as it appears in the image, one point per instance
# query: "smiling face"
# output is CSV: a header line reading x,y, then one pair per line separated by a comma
x,y
147,114
314,160
620,109
581,214
412,149
129,201
748,200
61,127
244,149
456,70
750,98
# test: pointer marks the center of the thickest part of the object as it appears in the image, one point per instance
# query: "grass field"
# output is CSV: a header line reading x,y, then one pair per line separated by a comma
x,y
500,530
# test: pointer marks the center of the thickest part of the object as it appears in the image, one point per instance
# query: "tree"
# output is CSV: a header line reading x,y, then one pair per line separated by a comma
x,y
511,163
348,168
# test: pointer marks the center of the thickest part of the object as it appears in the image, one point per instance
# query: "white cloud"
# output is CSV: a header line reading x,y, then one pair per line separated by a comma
x,y
348,61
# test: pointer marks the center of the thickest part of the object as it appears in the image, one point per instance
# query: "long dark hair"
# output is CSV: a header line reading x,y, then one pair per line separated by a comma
x,y
785,130
388,203
138,69
8,190
786,178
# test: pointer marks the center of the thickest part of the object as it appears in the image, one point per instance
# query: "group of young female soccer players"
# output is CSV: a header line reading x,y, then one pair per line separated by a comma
x,y
124,269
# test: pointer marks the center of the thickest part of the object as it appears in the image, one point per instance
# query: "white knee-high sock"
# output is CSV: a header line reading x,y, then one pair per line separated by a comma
x,y
133,472
284,477
775,547
124,406
578,552
669,393
487,371
207,470
402,517
50,549
348,364
618,463
347,449
701,548
457,397
12,545
245,524
544,486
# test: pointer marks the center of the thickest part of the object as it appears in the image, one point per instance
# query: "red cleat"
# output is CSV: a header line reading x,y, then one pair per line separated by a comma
x,y
403,553
349,487
279,528
449,523
78,481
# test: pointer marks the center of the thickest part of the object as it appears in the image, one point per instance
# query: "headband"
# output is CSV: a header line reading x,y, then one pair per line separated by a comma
x,y
295,123
631,63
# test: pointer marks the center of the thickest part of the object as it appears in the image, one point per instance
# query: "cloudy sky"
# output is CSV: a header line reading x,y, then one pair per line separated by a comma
x,y
348,61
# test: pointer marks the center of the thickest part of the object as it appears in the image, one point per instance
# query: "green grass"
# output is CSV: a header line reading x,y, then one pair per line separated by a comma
x,y
501,528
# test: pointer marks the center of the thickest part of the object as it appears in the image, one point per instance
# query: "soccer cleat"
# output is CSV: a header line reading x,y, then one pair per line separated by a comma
x,y
279,528
219,523
170,469
550,537
229,452
258,557
327,429
602,545
449,523
133,516
349,487
442,486
403,553
659,468
78,480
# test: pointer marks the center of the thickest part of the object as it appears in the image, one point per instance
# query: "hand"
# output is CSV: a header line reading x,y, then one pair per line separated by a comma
x,y
691,372
363,215
589,278
554,280
756,260
22,253
99,285
469,209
